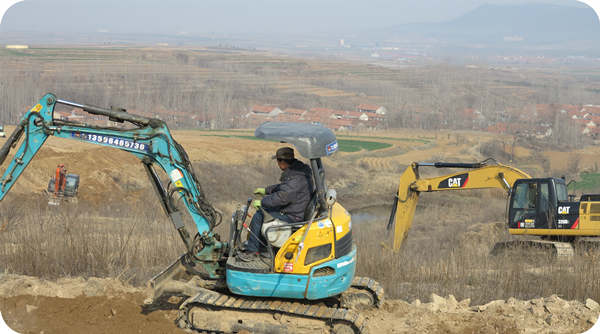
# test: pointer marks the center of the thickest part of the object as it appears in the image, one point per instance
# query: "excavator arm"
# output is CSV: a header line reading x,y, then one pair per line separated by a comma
x,y
150,140
477,176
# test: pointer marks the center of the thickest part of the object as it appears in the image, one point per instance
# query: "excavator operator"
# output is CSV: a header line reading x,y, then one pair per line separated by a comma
x,y
285,201
60,180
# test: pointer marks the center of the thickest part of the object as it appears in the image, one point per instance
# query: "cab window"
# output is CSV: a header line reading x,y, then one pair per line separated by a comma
x,y
561,192
525,196
544,197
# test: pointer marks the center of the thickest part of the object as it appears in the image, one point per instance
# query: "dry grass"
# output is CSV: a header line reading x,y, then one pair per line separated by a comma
x,y
127,238
72,242
118,229
446,252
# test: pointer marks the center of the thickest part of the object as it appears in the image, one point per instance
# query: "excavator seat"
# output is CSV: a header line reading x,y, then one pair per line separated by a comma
x,y
276,232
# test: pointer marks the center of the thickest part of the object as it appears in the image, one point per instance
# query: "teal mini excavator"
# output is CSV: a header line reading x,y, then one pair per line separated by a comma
x,y
306,283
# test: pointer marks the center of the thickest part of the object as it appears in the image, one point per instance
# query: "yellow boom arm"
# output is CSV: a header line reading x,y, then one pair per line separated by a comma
x,y
478,176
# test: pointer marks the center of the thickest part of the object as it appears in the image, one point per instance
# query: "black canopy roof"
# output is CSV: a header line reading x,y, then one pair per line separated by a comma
x,y
311,141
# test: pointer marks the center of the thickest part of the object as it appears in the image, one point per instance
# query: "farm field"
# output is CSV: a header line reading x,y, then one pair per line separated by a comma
x,y
221,84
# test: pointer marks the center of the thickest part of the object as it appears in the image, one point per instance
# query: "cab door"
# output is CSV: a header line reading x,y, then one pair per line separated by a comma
x,y
543,209
530,204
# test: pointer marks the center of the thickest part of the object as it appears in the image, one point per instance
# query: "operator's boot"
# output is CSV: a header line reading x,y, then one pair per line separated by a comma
x,y
249,261
248,256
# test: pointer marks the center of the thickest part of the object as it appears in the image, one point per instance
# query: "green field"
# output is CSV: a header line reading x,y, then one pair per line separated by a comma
x,y
352,145
588,181
415,140
345,145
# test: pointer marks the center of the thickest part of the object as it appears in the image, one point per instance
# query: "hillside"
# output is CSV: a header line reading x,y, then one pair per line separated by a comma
x,y
535,23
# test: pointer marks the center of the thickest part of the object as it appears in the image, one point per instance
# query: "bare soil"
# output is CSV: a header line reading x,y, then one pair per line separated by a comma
x,y
31,305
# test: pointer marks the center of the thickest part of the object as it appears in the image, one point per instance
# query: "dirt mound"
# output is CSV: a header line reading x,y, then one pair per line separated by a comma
x,y
447,315
77,305
18,285
100,314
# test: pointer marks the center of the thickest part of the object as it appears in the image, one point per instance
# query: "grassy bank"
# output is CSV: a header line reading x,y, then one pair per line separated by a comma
x,y
345,145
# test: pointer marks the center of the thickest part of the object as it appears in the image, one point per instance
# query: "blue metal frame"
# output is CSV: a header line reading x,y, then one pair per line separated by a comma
x,y
296,286
151,143
158,145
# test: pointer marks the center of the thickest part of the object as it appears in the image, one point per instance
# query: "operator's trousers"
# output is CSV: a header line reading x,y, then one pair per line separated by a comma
x,y
256,241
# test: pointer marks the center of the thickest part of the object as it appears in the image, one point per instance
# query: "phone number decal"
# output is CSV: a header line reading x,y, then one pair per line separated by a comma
x,y
110,140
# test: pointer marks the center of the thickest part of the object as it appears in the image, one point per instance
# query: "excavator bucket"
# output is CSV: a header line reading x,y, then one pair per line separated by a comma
x,y
175,280
404,206
162,282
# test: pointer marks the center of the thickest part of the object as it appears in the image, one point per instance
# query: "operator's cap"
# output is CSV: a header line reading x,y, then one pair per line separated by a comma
x,y
284,153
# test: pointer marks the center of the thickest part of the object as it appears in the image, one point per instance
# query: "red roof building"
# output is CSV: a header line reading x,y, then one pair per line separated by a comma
x,y
340,124
265,110
363,116
370,108
293,111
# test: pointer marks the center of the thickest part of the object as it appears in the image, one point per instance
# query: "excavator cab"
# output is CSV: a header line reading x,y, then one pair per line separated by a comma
x,y
542,207
71,185
312,259
535,203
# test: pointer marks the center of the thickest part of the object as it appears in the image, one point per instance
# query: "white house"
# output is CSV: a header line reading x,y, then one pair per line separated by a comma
x,y
266,111
369,108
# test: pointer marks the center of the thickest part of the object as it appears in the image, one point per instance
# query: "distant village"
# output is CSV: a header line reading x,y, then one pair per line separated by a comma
x,y
541,120
365,116
535,121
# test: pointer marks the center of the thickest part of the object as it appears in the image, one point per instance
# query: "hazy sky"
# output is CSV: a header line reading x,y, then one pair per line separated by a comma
x,y
234,16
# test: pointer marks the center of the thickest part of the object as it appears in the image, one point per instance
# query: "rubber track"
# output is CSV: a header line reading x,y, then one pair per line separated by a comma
x,y
376,290
560,249
563,249
215,300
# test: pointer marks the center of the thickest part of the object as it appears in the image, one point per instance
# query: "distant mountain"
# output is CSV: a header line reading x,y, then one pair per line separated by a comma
x,y
540,28
527,24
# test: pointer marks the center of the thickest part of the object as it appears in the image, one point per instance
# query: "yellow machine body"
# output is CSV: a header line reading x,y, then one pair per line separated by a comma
x,y
319,246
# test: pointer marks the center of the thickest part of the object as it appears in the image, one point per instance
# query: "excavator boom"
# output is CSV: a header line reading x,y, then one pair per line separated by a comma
x,y
478,176
150,140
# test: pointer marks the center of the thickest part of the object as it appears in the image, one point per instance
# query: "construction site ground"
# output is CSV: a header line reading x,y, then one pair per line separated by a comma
x,y
31,305
103,305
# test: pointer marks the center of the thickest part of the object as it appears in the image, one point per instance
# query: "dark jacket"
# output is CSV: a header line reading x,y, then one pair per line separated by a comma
x,y
292,195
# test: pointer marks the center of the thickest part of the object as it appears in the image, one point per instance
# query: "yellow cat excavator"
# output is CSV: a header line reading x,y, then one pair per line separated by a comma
x,y
537,206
